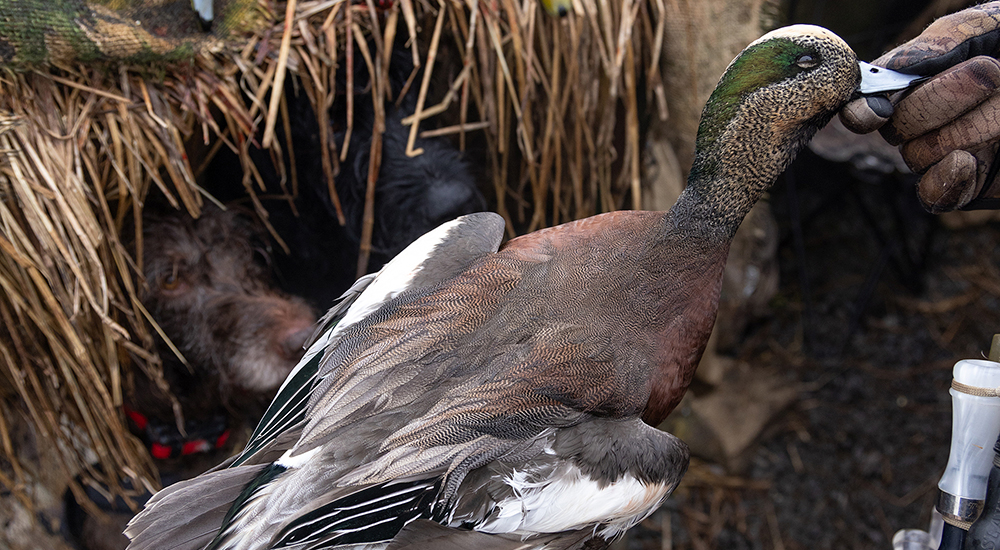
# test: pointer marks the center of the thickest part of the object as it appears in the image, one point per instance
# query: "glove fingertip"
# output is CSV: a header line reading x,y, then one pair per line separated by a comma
x,y
949,184
866,114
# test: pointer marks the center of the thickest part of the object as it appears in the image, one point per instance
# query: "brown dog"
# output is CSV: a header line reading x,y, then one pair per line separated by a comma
x,y
207,285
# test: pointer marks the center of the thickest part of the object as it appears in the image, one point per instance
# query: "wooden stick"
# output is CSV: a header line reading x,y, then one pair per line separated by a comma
x,y
350,94
632,125
456,129
77,85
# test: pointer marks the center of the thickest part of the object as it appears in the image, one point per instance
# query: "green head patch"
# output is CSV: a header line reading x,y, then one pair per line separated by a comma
x,y
760,65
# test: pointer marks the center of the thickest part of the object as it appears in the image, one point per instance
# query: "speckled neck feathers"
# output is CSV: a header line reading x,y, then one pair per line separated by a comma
x,y
771,100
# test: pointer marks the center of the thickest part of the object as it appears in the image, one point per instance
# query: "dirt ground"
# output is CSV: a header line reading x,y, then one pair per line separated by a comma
x,y
877,302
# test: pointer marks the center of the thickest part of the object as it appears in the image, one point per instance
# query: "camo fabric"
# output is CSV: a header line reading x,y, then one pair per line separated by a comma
x,y
38,33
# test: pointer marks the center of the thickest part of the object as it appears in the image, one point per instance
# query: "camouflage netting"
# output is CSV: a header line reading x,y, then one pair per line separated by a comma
x,y
102,101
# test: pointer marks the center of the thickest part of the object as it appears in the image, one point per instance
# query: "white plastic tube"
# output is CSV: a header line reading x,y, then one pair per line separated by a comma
x,y
911,539
975,426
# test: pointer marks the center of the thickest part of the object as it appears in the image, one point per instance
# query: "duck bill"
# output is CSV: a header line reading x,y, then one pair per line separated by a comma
x,y
875,79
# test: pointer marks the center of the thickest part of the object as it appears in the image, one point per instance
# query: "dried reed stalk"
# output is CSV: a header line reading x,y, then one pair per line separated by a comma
x,y
81,150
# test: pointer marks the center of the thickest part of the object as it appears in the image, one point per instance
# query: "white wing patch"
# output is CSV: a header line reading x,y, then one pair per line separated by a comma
x,y
572,500
393,278
397,275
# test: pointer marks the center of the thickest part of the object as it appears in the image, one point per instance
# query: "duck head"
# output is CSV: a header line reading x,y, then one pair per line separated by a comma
x,y
770,101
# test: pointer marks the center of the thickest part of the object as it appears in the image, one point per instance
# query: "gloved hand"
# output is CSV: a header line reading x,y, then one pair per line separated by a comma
x,y
949,126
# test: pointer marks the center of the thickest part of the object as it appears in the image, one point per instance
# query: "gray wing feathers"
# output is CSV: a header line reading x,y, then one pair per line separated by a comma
x,y
187,515
272,450
339,399
474,235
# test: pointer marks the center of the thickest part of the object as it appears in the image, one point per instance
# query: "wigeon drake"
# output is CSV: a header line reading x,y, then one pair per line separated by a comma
x,y
476,396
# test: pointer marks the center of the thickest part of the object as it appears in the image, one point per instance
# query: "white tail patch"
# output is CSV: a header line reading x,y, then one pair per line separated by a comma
x,y
571,501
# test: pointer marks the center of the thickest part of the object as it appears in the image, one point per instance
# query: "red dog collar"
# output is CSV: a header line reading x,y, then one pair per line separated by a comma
x,y
166,441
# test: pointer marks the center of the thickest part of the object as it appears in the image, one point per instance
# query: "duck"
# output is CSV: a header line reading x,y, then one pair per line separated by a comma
x,y
473,395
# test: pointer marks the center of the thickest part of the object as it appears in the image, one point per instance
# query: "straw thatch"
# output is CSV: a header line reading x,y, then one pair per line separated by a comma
x,y
558,101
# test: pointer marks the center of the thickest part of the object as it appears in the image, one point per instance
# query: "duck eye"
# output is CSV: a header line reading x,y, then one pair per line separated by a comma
x,y
807,61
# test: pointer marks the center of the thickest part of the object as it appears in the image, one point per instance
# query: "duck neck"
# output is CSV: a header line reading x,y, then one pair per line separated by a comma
x,y
739,155
699,230
712,208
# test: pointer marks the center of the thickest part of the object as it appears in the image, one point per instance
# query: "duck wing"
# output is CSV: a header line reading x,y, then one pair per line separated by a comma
x,y
437,255
173,518
590,481
510,346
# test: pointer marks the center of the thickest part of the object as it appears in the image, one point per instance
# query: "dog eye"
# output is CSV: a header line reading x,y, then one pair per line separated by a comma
x,y
171,281
807,61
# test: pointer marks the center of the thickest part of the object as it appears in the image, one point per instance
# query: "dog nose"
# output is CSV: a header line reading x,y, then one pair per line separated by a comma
x,y
293,341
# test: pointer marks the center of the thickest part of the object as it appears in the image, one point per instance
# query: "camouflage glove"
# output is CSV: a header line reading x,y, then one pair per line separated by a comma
x,y
949,126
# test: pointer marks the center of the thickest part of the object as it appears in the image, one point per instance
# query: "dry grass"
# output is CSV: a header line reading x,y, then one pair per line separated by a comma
x,y
557,100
